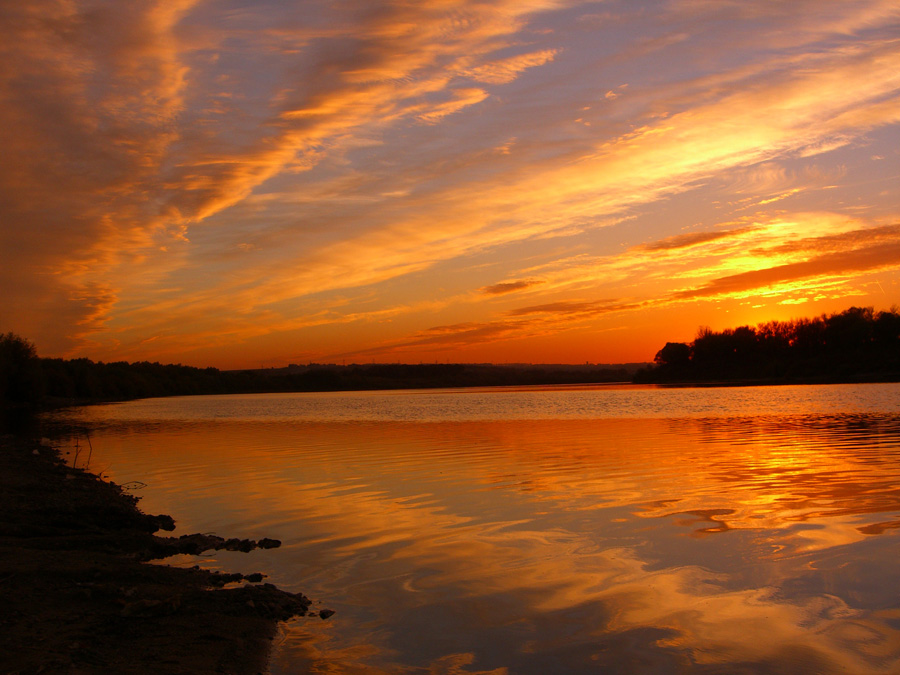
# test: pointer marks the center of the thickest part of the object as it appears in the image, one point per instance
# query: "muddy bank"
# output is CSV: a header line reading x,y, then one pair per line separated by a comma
x,y
77,595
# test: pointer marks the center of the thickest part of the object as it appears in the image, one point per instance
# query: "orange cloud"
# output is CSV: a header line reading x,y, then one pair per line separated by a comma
x,y
180,171
507,70
570,309
510,286
828,266
680,241
461,98
441,337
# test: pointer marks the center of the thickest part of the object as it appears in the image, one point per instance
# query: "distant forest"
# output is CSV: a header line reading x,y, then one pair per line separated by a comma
x,y
851,346
28,382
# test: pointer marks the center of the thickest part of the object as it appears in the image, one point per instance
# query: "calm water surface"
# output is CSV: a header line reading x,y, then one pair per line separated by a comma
x,y
545,530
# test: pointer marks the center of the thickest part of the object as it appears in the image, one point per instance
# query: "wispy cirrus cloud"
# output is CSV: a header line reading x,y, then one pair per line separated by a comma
x,y
828,266
641,167
510,286
438,338
200,176
506,70
832,260
124,126
571,309
691,239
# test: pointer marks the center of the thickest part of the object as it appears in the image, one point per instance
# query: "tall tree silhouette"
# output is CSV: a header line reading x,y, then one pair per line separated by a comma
x,y
20,375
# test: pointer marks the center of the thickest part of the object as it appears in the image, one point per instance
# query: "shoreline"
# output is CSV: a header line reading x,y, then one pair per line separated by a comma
x,y
79,595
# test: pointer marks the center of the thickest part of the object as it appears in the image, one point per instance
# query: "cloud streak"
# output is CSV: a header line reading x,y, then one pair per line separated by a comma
x,y
227,180
828,266
510,286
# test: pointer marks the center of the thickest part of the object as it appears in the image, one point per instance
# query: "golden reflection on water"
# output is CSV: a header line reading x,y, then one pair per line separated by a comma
x,y
632,546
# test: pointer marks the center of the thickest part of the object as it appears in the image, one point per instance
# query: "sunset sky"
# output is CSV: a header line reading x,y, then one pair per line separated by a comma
x,y
246,184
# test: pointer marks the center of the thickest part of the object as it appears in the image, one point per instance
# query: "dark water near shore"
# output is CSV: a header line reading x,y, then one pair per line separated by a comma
x,y
544,530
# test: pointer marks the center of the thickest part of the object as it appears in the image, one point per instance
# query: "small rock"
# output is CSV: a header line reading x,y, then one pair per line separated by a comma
x,y
325,613
268,543
165,522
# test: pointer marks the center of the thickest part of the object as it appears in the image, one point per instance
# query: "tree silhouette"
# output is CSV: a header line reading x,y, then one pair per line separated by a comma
x,y
674,360
20,375
856,344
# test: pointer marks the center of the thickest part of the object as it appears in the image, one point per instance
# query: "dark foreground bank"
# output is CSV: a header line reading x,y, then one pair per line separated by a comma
x,y
78,594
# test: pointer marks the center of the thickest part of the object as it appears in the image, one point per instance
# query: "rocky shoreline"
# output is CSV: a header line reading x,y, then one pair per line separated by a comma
x,y
78,595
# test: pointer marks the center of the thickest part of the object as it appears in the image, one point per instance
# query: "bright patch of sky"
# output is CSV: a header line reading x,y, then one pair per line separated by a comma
x,y
234,183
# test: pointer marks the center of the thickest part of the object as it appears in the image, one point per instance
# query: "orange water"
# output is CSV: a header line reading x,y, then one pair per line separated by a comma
x,y
584,530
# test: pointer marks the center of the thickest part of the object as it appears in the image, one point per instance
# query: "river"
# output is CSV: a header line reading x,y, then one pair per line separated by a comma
x,y
610,529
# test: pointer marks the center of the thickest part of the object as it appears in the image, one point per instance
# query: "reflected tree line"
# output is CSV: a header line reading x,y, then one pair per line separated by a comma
x,y
855,345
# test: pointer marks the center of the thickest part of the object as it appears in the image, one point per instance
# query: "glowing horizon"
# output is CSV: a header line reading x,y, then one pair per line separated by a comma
x,y
243,184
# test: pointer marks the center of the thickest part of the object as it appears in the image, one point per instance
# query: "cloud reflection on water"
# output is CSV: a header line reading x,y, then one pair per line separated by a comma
x,y
715,545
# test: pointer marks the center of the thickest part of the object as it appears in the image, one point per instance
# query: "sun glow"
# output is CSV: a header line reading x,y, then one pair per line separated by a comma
x,y
280,184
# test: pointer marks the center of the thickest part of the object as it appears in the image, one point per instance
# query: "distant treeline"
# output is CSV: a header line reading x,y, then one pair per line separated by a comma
x,y
81,379
851,346
426,376
855,345
28,382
